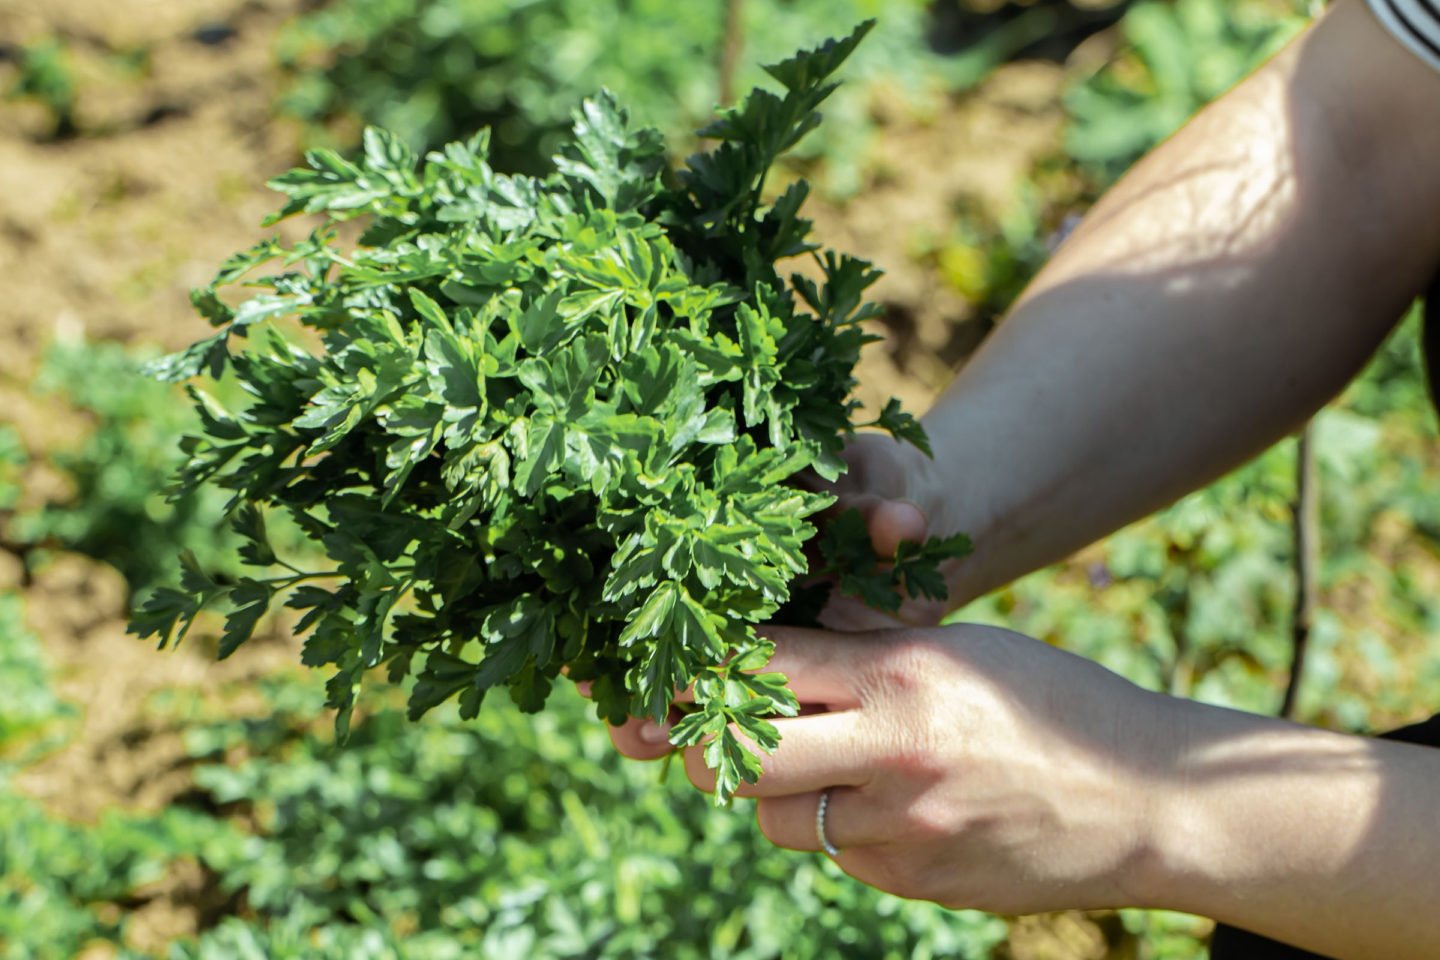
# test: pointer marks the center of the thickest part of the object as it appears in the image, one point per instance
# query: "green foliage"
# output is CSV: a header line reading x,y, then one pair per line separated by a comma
x,y
13,459
116,509
507,836
45,75
433,70
990,260
513,836
556,423
1164,935
1177,58
914,570
29,707
54,875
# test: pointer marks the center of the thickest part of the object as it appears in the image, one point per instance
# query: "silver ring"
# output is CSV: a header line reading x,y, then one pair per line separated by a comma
x,y
825,843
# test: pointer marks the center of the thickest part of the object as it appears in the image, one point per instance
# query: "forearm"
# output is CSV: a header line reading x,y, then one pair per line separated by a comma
x,y
1233,282
1325,841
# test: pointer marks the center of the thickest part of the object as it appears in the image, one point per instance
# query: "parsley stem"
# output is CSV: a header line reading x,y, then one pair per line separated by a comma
x,y
302,575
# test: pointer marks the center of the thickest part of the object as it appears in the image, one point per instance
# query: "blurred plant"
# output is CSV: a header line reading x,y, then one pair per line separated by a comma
x,y
1164,935
29,707
989,260
64,887
437,70
12,460
552,846
1176,58
113,511
45,75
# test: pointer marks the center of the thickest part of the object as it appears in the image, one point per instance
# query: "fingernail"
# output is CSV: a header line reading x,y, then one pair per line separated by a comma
x,y
654,734
913,506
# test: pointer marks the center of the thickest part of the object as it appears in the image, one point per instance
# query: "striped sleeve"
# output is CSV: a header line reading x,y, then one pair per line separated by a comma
x,y
1415,23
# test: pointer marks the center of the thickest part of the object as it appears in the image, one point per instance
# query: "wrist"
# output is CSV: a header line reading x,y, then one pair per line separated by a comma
x,y
950,489
1234,814
1155,805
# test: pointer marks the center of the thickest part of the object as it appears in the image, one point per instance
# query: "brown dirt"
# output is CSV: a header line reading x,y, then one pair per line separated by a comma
x,y
106,234
118,755
974,153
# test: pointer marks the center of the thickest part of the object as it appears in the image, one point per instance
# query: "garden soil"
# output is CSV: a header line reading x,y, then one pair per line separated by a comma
x,y
102,235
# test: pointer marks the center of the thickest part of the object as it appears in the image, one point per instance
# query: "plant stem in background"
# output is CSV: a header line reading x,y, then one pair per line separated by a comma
x,y
731,46
1307,549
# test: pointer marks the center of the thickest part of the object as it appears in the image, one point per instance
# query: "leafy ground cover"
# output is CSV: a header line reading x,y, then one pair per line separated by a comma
x,y
501,837
113,503
434,71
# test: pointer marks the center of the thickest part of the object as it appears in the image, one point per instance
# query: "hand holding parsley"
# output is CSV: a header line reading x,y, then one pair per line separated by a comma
x,y
554,424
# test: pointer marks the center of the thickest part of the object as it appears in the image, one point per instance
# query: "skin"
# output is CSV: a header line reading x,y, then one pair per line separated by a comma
x,y
1209,304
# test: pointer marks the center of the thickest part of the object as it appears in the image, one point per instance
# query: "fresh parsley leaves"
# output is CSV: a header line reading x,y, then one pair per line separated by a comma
x,y
546,424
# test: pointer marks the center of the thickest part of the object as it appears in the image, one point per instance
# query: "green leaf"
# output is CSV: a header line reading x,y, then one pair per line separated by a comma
x,y
809,69
654,616
903,426
205,355
621,165
443,677
251,600
516,634
249,522
540,454
164,612
331,184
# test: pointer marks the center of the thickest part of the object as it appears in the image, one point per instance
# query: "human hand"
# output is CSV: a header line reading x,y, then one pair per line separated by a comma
x,y
895,489
889,483
966,765
892,486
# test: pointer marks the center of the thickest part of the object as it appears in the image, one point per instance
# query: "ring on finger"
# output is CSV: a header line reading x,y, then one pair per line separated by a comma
x,y
820,811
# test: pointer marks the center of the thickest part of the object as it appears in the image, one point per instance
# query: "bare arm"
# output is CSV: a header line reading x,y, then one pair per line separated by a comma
x,y
1318,839
1234,281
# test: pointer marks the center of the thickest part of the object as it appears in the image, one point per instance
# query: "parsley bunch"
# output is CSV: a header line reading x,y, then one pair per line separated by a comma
x,y
544,424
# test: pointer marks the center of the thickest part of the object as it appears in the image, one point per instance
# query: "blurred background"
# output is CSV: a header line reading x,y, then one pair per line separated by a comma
x,y
165,805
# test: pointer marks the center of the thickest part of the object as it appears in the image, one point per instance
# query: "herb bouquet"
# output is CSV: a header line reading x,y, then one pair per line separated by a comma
x,y
544,424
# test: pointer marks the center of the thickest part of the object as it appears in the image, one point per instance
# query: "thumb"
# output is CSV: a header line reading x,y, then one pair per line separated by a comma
x,y
890,522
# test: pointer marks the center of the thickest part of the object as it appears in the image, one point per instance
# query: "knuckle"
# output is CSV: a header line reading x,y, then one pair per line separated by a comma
x,y
925,822
912,762
905,667
914,747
